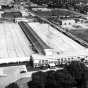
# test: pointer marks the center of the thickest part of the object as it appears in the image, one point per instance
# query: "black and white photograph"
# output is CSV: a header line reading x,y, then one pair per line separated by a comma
x,y
43,43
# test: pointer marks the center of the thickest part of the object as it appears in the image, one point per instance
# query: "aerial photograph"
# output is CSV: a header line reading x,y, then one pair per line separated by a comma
x,y
43,43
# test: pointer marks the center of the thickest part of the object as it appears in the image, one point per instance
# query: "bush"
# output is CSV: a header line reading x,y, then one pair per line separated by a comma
x,y
78,71
31,62
64,79
12,85
38,80
73,75
11,14
50,80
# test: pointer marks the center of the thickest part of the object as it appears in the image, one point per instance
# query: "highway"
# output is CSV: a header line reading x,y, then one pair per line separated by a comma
x,y
13,42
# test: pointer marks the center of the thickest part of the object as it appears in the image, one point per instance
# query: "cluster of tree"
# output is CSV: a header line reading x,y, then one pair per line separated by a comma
x,y
12,85
59,3
78,5
11,14
6,7
82,8
73,75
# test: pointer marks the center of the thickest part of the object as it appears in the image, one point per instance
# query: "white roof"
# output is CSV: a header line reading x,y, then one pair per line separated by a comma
x,y
5,2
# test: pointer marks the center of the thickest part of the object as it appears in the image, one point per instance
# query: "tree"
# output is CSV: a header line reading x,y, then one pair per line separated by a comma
x,y
38,80
50,80
31,62
12,85
79,71
64,79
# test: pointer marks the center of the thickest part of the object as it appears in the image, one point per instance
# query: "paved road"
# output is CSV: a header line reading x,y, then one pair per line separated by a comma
x,y
13,42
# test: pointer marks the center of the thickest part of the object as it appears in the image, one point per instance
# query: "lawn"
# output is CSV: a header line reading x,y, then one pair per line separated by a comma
x,y
82,34
55,12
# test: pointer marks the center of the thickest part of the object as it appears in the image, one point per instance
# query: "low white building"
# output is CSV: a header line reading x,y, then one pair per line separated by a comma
x,y
66,23
1,12
24,13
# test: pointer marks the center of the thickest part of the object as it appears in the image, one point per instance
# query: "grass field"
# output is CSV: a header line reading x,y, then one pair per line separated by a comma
x,y
55,12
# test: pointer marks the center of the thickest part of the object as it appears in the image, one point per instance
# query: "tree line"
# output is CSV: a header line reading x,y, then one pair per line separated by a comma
x,y
77,5
73,75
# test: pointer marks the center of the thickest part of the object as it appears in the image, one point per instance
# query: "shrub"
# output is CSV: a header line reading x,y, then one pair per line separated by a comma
x,y
12,85
64,79
79,71
50,80
38,80
73,75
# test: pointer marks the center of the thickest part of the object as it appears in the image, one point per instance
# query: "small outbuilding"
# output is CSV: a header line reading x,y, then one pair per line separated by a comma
x,y
67,23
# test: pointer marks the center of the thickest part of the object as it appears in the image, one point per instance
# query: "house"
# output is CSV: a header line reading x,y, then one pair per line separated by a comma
x,y
66,23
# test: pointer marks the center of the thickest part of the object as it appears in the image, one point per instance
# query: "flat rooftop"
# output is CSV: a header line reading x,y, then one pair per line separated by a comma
x,y
13,42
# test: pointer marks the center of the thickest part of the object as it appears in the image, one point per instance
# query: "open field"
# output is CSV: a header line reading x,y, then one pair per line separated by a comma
x,y
56,15
78,30
55,12
82,34
13,42
13,74
55,39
